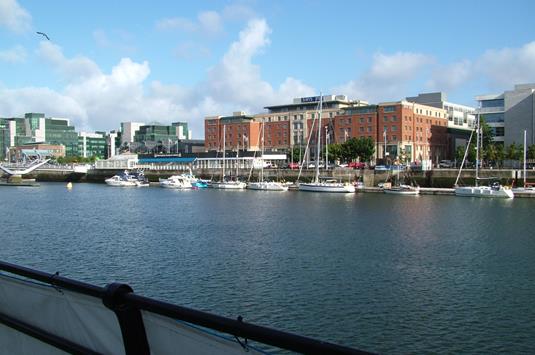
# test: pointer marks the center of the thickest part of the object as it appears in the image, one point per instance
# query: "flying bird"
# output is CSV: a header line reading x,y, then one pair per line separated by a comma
x,y
43,34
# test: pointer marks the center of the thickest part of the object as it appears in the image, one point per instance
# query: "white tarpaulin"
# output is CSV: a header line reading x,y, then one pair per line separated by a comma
x,y
85,321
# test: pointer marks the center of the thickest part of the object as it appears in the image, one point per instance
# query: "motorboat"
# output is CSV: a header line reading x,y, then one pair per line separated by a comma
x,y
128,179
176,182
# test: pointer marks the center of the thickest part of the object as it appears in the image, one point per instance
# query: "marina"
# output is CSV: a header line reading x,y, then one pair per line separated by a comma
x,y
373,263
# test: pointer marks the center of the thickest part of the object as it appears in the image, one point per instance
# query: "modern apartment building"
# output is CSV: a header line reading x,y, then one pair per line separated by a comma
x,y
510,113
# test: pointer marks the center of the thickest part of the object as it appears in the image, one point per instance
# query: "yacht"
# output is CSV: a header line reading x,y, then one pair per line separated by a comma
x,y
176,182
128,179
496,190
327,184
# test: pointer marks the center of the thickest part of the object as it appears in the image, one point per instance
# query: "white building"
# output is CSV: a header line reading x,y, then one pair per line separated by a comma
x,y
128,130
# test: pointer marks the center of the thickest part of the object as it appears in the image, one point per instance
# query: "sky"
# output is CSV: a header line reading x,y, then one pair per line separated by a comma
x,y
165,61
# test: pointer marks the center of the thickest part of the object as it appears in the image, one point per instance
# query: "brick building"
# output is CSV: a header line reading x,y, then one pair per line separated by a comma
x,y
401,130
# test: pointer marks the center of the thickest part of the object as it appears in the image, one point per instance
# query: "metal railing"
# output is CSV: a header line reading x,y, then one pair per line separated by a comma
x,y
127,305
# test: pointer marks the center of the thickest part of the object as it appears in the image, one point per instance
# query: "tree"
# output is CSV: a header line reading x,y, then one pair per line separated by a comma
x,y
362,148
531,151
487,136
336,151
513,152
298,153
490,153
500,154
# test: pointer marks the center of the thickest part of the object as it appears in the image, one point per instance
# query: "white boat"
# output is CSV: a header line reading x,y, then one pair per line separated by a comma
x,y
227,183
176,182
496,190
327,184
403,190
128,179
261,184
267,186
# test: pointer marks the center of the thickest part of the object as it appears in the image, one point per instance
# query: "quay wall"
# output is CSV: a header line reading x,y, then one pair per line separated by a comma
x,y
439,178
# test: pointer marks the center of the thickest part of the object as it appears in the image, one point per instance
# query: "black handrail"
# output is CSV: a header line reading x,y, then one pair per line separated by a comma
x,y
237,328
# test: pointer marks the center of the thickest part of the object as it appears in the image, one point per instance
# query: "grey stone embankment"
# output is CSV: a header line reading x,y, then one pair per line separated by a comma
x,y
438,178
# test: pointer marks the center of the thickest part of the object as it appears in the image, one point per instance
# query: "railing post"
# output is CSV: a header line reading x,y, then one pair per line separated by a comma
x,y
129,317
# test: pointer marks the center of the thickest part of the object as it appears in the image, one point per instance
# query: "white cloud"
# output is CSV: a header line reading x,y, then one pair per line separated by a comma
x,y
76,69
14,55
499,69
191,50
210,22
13,102
449,77
508,66
94,99
237,12
388,77
207,23
179,23
14,17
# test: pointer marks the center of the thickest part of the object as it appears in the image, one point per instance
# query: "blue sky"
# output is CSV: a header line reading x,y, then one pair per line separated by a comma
x,y
164,61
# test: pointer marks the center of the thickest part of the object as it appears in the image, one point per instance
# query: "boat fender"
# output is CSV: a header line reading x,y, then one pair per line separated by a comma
x,y
129,317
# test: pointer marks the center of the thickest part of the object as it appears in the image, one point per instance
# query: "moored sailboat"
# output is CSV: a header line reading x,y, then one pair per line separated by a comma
x,y
495,190
261,184
325,184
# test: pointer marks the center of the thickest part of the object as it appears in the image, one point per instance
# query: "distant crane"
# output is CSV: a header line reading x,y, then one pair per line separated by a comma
x,y
43,34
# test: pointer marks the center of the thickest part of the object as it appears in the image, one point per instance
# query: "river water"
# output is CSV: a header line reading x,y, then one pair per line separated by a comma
x,y
388,274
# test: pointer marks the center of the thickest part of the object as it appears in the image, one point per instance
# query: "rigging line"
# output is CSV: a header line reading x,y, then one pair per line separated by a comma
x,y
308,143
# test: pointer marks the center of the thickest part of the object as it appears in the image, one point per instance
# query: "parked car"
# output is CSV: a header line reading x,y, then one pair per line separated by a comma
x,y
381,168
293,166
445,164
356,165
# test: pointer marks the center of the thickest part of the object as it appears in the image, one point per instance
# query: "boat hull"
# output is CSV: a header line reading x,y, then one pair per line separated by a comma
x,y
405,192
116,183
229,185
333,188
483,191
267,186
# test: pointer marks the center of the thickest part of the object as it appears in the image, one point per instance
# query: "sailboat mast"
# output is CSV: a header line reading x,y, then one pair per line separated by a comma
x,y
262,170
224,134
318,142
525,155
478,141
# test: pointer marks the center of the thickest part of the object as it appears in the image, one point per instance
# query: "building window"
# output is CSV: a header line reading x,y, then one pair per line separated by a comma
x,y
361,129
361,120
385,119
369,128
394,128
394,118
369,120
394,138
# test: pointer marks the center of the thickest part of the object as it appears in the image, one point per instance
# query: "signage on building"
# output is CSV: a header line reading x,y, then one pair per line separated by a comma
x,y
310,99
